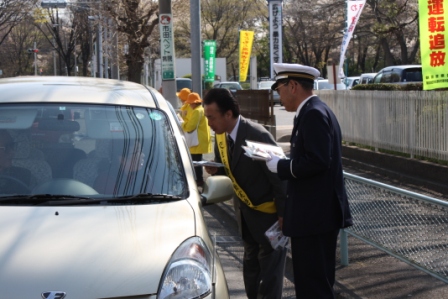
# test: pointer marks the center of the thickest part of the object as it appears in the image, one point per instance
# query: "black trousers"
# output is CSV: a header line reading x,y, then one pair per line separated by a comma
x,y
314,262
198,170
263,268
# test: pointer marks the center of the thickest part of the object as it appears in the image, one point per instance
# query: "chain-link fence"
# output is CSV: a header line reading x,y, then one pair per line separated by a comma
x,y
406,225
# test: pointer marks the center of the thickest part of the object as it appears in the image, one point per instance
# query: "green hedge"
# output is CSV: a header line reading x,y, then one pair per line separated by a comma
x,y
389,86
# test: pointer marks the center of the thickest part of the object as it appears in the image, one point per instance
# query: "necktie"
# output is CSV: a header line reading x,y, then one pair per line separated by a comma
x,y
230,145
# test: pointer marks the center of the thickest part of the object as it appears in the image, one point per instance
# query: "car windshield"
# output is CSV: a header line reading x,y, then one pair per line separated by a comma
x,y
266,84
90,151
231,86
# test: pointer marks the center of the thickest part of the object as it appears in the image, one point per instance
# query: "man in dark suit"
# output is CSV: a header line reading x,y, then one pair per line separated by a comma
x,y
260,193
316,206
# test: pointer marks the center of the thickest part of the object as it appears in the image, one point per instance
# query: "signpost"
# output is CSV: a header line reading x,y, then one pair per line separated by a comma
x,y
53,4
167,47
275,32
209,60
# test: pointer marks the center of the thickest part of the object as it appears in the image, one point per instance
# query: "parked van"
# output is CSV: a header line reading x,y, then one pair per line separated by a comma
x,y
400,74
366,78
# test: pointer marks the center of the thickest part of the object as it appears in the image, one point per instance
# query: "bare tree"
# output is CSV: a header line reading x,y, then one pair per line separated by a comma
x,y
396,29
61,33
12,12
16,58
223,19
313,31
136,19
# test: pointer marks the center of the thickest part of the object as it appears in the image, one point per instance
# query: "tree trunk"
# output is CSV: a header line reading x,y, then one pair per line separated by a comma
x,y
134,61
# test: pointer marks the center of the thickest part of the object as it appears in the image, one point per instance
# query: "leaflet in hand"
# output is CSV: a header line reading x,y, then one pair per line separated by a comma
x,y
276,237
260,151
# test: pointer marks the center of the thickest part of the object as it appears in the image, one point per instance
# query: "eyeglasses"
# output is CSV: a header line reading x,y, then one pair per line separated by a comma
x,y
286,83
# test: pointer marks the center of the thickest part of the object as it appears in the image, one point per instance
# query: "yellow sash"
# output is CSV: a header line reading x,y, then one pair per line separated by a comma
x,y
267,207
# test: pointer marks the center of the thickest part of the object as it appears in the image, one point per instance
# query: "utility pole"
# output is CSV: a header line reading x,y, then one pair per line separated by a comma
x,y
99,47
35,59
196,46
115,70
167,54
55,4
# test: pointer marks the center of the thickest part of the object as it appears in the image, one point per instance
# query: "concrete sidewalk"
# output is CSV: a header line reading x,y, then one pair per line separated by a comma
x,y
371,273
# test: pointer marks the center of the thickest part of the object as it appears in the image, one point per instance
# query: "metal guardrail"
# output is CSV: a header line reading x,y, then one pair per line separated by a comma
x,y
407,225
410,122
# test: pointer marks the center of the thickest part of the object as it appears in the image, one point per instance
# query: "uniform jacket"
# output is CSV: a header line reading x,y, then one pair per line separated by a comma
x,y
190,122
255,179
316,196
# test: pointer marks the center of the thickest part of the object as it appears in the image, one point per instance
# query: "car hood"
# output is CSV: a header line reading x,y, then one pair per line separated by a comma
x,y
89,252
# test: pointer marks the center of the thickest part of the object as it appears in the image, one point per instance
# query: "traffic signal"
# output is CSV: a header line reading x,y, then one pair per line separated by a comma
x,y
33,50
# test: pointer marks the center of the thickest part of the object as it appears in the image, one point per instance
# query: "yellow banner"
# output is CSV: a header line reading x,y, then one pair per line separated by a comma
x,y
246,39
433,43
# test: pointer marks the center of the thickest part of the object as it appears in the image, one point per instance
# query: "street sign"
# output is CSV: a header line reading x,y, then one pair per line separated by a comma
x,y
167,47
209,60
53,4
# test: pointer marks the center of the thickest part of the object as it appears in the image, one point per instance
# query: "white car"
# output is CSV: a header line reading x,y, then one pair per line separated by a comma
x,y
366,78
267,85
351,82
99,199
324,84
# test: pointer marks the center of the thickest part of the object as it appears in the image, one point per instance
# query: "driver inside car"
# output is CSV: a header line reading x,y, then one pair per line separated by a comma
x,y
123,175
12,179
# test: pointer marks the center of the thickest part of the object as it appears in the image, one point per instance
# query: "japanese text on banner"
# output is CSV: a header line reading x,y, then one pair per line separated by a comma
x,y
354,9
166,46
433,16
209,60
246,39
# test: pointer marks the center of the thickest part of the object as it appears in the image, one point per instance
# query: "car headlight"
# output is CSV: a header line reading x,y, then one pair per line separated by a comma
x,y
188,274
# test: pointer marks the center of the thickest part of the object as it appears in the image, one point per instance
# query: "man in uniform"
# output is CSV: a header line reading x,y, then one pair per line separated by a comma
x,y
316,205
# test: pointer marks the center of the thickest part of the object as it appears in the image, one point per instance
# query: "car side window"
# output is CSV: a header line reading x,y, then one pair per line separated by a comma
x,y
396,76
378,78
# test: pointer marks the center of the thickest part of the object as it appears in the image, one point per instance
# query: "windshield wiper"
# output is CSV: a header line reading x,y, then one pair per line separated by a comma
x,y
37,199
144,198
62,199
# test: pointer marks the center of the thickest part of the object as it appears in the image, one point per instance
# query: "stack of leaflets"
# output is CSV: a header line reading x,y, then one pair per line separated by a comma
x,y
260,151
276,237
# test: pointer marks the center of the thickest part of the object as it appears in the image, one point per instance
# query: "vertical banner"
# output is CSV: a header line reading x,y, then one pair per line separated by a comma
x,y
275,33
433,22
167,46
209,60
354,9
246,39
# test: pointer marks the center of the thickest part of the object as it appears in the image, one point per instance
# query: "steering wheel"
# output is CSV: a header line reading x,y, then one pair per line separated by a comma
x,y
14,183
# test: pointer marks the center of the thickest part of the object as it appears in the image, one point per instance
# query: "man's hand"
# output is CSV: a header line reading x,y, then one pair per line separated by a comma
x,y
272,163
280,222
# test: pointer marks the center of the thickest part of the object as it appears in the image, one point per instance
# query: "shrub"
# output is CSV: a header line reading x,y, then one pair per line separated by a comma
x,y
389,86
